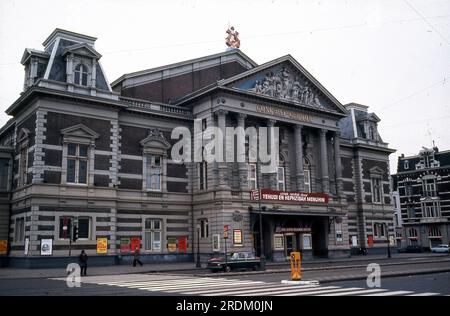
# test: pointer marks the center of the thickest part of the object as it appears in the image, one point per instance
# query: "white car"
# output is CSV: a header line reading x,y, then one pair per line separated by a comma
x,y
440,248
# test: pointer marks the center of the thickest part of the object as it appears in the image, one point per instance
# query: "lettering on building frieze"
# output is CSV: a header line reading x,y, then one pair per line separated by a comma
x,y
275,111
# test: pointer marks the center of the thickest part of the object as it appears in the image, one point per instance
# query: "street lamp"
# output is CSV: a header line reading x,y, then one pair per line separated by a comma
x,y
198,265
262,258
388,241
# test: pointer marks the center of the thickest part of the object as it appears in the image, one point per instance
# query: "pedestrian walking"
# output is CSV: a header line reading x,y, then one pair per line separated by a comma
x,y
83,259
137,257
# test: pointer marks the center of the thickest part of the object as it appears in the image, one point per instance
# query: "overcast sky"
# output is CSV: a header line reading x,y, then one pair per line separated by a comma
x,y
393,55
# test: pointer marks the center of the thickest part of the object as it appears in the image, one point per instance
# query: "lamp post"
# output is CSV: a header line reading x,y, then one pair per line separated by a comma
x,y
198,264
262,258
388,241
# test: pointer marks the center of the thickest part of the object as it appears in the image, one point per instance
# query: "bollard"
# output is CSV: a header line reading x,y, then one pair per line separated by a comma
x,y
296,266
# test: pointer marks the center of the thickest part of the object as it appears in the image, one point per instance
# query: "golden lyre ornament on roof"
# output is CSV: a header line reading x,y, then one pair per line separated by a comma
x,y
232,39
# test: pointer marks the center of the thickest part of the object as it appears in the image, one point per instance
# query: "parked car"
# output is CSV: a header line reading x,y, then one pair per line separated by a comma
x,y
441,248
237,261
410,249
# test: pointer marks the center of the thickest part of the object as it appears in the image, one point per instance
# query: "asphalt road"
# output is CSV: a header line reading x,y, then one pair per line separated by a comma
x,y
436,283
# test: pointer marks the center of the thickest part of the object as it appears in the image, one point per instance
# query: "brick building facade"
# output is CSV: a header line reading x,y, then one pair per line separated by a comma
x,y
79,151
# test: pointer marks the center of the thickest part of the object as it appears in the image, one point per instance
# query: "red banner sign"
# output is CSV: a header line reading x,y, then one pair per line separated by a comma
x,y
292,197
135,243
182,244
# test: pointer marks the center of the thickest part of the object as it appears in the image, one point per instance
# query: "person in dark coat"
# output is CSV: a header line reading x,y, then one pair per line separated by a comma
x,y
137,257
83,259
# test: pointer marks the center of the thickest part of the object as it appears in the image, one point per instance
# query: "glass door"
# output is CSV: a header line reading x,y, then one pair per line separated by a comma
x,y
290,242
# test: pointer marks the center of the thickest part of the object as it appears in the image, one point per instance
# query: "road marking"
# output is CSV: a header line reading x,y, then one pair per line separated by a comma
x,y
252,287
267,291
391,293
324,291
357,292
207,286
425,294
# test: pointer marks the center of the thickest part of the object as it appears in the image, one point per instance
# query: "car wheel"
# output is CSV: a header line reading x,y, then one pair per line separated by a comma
x,y
255,268
227,269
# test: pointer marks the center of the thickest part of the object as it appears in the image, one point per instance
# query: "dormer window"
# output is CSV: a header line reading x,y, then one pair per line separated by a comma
x,y
81,75
406,165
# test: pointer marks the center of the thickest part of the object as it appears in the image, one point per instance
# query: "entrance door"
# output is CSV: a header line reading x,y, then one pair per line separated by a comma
x,y
290,242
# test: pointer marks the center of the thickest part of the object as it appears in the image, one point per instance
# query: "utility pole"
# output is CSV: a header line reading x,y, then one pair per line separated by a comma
x,y
261,241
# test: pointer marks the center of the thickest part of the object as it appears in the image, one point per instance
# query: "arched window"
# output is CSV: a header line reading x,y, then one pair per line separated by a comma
x,y
81,75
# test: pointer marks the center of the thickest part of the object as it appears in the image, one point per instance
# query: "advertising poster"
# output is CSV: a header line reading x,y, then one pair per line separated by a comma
x,y
102,245
172,244
237,237
46,247
3,247
135,243
369,240
182,244
354,241
27,246
125,244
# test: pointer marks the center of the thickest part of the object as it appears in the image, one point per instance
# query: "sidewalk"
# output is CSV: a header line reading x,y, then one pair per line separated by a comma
x,y
321,264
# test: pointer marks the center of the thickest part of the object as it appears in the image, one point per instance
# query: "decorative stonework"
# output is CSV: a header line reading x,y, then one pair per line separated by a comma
x,y
285,85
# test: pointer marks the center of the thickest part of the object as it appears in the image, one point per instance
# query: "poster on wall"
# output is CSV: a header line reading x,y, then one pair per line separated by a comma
x,y
102,245
125,245
171,244
237,237
182,244
354,241
278,242
27,246
3,247
369,240
135,243
46,247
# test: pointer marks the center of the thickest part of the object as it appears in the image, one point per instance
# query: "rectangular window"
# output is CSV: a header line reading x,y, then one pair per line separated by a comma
x,y
84,228
376,190
378,230
154,166
252,176
204,229
19,235
77,163
4,174
203,175
280,179
430,188
307,180
216,242
152,234
411,212
23,166
65,225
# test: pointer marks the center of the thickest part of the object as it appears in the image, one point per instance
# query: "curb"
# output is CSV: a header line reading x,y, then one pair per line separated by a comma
x,y
287,270
387,274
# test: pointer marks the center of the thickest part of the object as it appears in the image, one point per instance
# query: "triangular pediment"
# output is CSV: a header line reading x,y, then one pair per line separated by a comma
x,y
80,130
82,49
286,80
156,140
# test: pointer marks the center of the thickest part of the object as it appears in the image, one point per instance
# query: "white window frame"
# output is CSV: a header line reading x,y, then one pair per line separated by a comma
x,y
377,187
379,230
81,72
152,166
152,231
77,159
281,181
89,227
19,229
252,176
